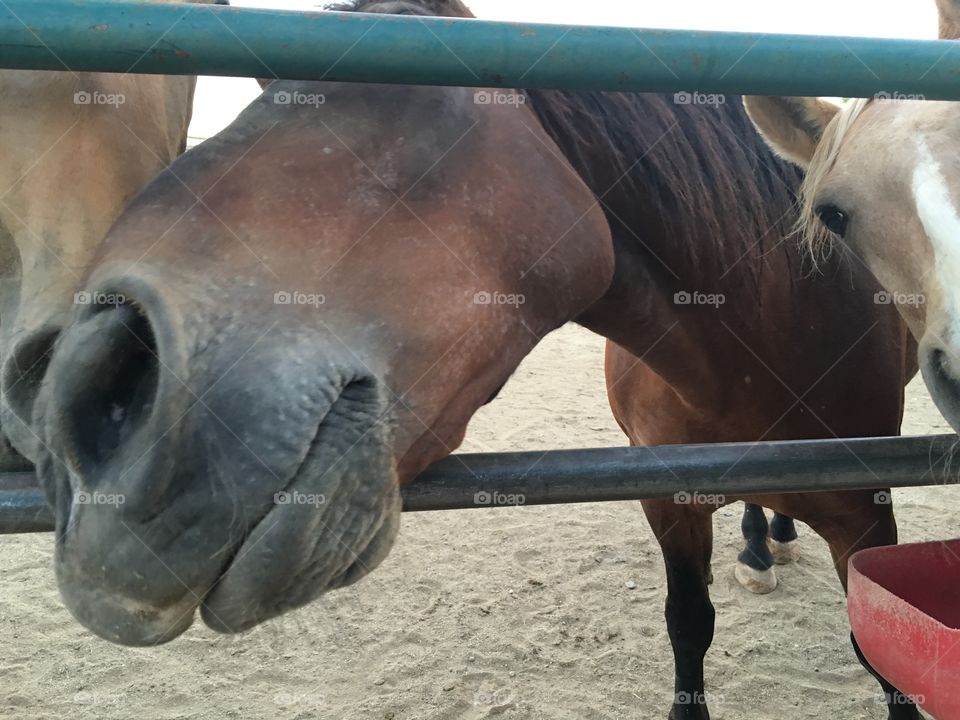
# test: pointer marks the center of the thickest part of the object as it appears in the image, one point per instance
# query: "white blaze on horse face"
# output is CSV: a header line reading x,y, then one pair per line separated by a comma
x,y
941,222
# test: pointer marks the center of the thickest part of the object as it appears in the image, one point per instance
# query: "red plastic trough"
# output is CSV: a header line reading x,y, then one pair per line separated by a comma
x,y
904,605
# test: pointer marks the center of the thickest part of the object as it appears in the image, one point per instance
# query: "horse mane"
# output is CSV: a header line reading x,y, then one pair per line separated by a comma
x,y
814,233
699,179
698,183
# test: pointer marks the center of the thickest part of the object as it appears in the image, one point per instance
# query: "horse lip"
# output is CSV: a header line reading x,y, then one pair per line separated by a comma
x,y
250,590
351,420
126,622
254,585
237,546
131,622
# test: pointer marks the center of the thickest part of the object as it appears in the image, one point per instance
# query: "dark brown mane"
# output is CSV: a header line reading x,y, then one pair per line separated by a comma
x,y
697,182
692,185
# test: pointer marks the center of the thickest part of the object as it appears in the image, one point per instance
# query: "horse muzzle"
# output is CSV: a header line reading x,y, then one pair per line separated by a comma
x,y
242,475
940,368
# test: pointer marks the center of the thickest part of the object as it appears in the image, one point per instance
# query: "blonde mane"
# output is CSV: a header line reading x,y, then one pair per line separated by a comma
x,y
812,232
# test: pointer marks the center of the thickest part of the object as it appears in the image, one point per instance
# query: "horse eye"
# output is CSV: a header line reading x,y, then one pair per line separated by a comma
x,y
835,219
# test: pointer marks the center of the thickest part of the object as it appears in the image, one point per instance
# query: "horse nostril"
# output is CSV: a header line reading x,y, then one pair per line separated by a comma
x,y
940,362
938,368
23,372
116,376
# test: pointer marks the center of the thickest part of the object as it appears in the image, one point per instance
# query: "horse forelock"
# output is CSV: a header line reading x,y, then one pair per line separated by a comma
x,y
438,8
814,233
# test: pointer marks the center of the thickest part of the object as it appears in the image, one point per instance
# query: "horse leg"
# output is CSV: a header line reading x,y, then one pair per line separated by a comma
x,y
755,563
784,545
685,534
851,522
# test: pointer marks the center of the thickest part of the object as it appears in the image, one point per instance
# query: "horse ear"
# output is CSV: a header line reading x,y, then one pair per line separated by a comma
x,y
792,126
949,19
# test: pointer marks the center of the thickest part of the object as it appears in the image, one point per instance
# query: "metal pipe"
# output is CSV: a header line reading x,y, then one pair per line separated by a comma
x,y
686,472
173,38
23,507
639,473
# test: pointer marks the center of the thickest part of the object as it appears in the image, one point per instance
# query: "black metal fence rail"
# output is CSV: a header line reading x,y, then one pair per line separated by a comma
x,y
688,473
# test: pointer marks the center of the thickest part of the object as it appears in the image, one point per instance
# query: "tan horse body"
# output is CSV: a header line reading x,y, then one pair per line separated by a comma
x,y
77,148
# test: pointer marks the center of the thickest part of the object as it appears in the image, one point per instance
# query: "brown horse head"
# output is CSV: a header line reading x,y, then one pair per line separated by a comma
x,y
76,148
313,305
883,180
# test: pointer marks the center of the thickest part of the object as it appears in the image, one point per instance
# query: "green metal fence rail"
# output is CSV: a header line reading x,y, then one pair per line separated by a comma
x,y
214,40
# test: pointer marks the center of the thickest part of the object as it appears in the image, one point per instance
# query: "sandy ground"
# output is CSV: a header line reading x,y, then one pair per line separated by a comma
x,y
512,613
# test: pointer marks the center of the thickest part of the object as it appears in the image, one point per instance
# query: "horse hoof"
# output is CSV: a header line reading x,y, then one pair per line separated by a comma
x,y
784,553
759,582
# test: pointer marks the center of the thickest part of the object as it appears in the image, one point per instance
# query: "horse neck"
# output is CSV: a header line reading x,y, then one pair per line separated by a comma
x,y
696,204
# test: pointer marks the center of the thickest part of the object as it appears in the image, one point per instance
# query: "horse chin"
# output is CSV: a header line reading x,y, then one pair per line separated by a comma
x,y
334,521
293,555
299,552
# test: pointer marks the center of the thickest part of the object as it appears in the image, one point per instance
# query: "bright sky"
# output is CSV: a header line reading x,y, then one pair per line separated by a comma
x,y
220,99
